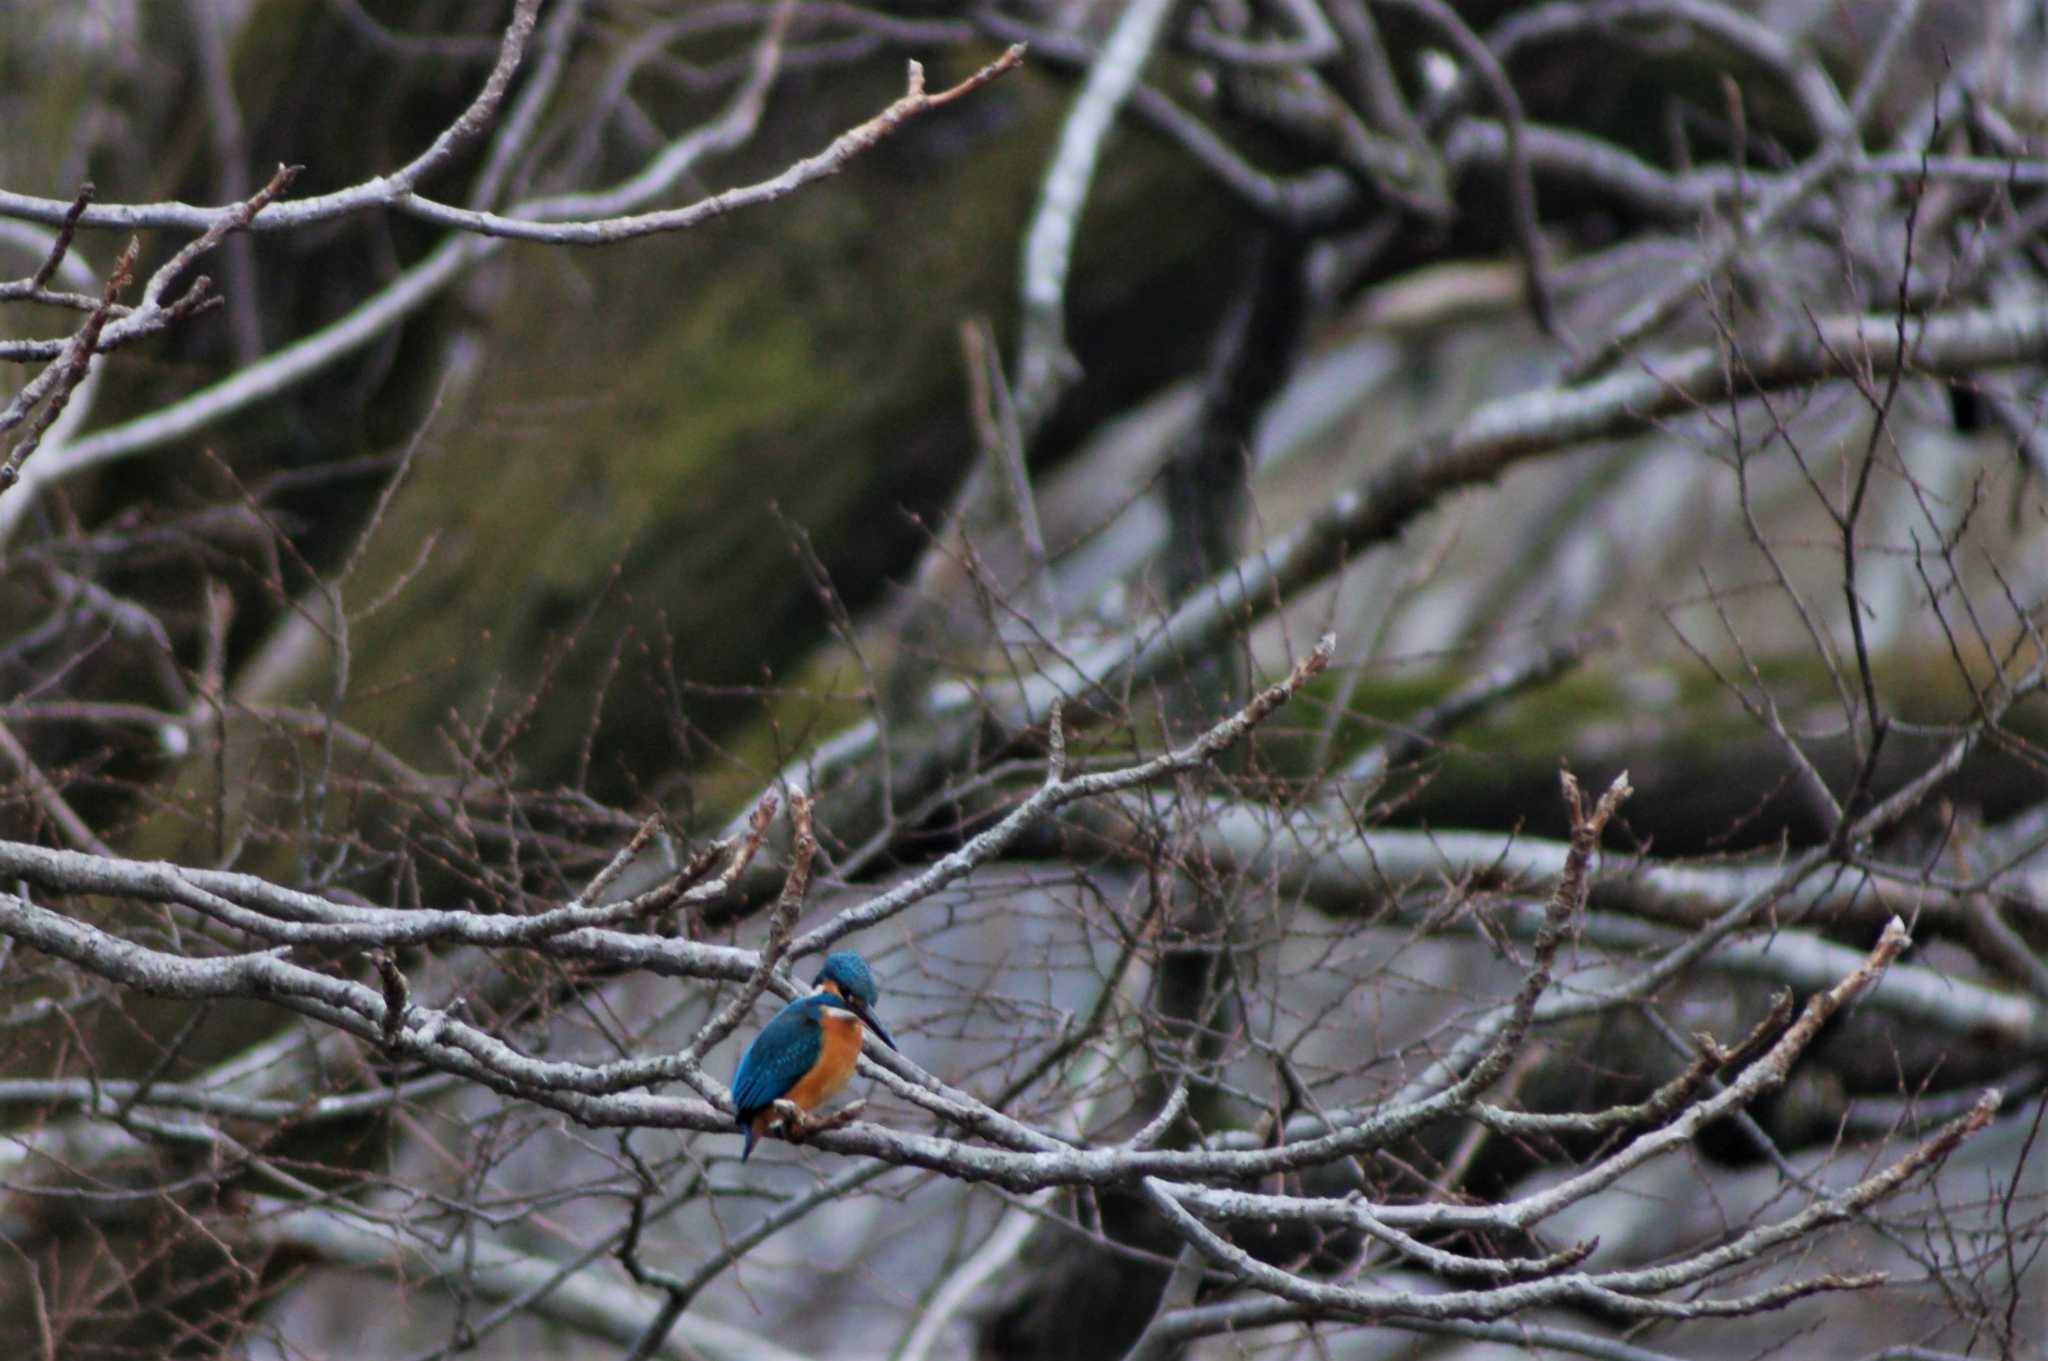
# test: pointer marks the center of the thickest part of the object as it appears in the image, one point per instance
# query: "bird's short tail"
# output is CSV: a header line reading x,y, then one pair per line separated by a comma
x,y
748,1126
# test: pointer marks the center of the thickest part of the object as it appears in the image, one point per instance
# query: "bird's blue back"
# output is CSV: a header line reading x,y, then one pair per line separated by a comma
x,y
784,1051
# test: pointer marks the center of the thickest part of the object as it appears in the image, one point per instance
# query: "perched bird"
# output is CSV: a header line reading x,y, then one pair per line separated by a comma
x,y
806,1054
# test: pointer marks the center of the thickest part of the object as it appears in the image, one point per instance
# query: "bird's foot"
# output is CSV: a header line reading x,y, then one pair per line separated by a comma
x,y
838,1119
796,1124
789,1120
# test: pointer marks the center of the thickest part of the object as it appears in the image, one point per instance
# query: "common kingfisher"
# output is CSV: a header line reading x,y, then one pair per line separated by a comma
x,y
806,1054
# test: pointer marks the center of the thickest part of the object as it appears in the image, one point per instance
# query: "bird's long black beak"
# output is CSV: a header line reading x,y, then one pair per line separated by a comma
x,y
867,1018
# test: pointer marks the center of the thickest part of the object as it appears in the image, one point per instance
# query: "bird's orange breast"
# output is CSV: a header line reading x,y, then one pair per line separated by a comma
x,y
835,1062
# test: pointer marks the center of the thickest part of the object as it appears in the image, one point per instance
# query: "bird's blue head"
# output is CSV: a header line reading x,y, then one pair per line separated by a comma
x,y
846,975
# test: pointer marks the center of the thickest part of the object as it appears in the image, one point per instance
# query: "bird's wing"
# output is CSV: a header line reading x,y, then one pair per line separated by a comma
x,y
784,1051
